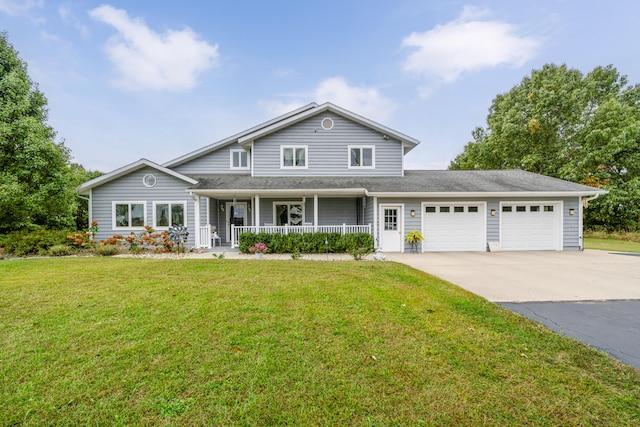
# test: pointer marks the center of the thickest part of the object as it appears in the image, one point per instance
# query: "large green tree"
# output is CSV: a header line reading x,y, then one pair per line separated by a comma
x,y
561,123
35,186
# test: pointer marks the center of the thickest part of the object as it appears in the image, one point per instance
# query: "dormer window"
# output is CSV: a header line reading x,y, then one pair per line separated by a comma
x,y
293,157
362,157
239,159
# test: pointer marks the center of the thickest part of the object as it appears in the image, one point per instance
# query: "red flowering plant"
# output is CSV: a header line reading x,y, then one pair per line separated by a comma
x,y
259,248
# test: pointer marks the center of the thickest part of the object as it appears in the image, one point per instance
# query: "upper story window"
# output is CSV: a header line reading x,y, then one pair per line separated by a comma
x,y
169,214
239,159
129,214
362,157
293,156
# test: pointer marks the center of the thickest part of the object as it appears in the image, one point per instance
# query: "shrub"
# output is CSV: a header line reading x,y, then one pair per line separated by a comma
x,y
308,243
60,250
106,250
34,242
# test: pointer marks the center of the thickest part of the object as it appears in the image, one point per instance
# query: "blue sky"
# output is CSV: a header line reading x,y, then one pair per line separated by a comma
x,y
158,79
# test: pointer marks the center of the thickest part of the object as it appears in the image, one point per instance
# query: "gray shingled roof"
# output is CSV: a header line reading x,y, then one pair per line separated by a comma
x,y
416,181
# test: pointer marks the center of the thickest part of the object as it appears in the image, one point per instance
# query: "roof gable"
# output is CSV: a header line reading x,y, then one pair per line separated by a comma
x,y
125,170
407,141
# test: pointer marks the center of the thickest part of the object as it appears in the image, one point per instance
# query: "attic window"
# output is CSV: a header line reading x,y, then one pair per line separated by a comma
x,y
327,123
149,180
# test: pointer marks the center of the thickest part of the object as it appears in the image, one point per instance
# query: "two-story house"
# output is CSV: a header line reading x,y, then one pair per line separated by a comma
x,y
323,168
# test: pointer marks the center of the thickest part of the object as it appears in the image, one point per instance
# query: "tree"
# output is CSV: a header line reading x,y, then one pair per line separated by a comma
x,y
561,123
35,189
78,175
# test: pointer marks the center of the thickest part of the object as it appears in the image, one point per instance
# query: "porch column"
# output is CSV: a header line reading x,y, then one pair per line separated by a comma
x,y
315,212
375,222
256,212
196,215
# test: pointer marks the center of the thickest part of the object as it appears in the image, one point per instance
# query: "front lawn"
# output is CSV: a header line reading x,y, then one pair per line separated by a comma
x,y
105,341
617,241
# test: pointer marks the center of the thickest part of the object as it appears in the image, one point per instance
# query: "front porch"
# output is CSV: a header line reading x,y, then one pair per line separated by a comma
x,y
206,235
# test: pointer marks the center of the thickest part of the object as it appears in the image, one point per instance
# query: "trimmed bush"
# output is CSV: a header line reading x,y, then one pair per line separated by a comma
x,y
60,250
106,250
308,243
36,242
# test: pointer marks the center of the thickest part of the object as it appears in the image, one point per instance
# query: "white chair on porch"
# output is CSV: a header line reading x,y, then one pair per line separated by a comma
x,y
214,237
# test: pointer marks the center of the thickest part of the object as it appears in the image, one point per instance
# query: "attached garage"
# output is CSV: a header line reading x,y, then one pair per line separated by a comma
x,y
454,226
530,226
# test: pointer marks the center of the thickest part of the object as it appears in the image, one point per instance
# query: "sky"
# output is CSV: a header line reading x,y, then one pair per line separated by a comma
x,y
157,79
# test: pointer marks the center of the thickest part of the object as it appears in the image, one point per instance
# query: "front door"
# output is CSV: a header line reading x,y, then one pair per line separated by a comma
x,y
391,228
236,215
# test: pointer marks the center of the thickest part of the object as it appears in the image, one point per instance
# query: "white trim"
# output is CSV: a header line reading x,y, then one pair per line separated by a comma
x,y
208,206
375,223
90,207
227,212
294,148
125,170
240,152
170,203
401,221
557,203
196,220
149,176
487,194
315,209
289,203
580,225
361,148
467,203
256,210
127,202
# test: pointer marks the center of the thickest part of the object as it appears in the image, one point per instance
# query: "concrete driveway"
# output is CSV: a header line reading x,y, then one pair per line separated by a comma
x,y
592,296
535,275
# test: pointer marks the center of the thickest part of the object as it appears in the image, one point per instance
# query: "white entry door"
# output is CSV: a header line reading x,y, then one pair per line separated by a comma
x,y
391,228
236,215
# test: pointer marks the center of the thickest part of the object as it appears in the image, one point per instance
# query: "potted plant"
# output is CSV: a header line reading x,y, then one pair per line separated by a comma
x,y
414,237
258,249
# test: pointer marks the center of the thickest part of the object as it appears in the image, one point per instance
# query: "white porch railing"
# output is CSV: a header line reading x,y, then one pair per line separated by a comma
x,y
204,235
236,231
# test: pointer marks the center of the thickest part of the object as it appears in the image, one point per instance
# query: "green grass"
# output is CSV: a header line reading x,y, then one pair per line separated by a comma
x,y
103,341
617,241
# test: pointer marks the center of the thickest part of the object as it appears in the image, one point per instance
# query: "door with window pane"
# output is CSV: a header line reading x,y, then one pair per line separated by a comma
x,y
391,228
236,215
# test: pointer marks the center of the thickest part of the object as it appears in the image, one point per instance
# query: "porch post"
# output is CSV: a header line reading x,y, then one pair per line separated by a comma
x,y
315,212
196,215
256,212
375,221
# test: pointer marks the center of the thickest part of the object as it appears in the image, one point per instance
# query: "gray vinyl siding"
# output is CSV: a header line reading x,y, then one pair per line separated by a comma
x,y
571,225
327,150
130,188
337,211
218,161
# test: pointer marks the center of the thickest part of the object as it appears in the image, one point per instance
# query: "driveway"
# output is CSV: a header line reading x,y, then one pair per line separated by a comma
x,y
536,275
592,296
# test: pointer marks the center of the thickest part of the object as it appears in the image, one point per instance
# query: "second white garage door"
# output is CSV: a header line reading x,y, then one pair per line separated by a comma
x,y
453,227
531,226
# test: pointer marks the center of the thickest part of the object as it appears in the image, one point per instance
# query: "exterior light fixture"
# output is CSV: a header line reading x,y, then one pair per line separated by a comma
x,y
413,212
493,212
221,207
572,211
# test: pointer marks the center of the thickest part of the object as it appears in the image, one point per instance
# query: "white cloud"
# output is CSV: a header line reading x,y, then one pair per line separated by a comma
x,y
362,100
16,7
148,60
467,44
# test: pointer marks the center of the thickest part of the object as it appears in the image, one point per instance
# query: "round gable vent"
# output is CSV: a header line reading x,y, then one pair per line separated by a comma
x,y
327,123
149,180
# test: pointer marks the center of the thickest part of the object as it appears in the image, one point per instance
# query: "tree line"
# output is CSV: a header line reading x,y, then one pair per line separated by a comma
x,y
556,122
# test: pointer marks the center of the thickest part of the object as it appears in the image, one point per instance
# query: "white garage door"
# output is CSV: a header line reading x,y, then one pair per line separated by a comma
x,y
531,226
453,227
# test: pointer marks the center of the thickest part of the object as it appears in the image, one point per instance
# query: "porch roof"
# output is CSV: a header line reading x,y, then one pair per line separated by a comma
x,y
416,183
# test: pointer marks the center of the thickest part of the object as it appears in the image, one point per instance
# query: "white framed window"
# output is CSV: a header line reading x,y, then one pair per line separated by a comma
x,y
169,214
288,213
128,215
239,159
362,156
293,157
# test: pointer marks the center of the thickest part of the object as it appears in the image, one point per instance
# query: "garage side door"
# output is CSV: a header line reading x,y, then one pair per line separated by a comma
x,y
531,226
454,227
